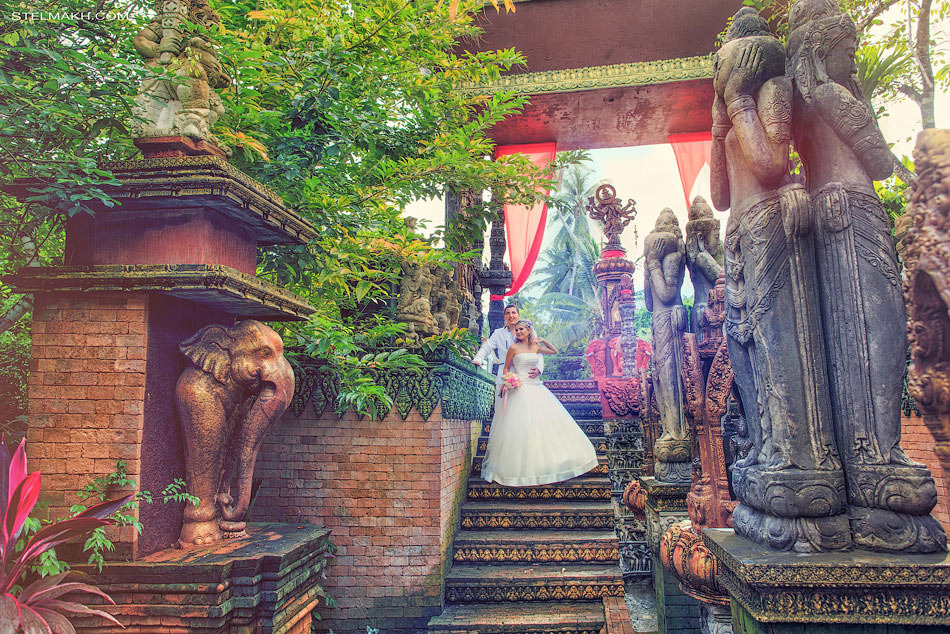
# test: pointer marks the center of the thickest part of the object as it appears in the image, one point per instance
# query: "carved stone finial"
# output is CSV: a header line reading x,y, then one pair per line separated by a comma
x,y
177,115
605,207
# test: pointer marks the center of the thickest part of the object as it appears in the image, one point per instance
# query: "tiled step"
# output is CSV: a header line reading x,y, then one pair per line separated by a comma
x,y
535,582
535,547
520,618
581,488
599,442
501,514
600,469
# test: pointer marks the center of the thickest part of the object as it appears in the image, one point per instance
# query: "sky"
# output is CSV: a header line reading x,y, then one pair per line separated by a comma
x,y
649,176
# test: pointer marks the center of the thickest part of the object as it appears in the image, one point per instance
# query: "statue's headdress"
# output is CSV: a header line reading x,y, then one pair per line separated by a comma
x,y
816,27
746,22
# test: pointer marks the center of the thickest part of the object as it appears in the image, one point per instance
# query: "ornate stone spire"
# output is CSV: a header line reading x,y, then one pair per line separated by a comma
x,y
605,207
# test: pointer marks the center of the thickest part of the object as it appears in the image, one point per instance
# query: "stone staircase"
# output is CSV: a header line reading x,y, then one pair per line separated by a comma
x,y
537,559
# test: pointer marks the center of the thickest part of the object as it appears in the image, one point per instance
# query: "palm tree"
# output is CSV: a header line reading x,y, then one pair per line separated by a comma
x,y
569,292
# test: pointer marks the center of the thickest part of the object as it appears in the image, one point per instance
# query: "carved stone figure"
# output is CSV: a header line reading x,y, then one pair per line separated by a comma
x,y
414,307
927,286
189,105
707,383
703,257
236,385
842,149
790,485
665,254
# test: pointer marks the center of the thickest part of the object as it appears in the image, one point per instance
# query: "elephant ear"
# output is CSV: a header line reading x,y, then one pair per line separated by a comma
x,y
210,350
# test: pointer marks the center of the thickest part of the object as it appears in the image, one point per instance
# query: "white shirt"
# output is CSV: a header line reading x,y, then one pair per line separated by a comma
x,y
498,343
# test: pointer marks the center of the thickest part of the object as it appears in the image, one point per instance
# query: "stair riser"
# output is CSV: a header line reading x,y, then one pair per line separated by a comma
x,y
600,469
503,629
522,554
516,521
594,429
487,492
548,592
600,446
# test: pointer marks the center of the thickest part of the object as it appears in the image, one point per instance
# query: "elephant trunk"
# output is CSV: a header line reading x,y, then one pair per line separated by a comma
x,y
277,389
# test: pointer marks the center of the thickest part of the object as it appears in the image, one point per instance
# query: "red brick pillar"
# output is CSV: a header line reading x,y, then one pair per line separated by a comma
x,y
87,395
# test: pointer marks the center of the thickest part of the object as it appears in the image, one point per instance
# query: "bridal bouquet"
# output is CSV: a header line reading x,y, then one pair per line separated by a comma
x,y
509,381
512,380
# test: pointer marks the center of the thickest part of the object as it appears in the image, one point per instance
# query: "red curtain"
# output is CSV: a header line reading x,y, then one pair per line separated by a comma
x,y
524,226
692,152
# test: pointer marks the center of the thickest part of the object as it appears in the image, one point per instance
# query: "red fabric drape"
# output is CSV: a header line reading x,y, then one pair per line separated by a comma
x,y
524,226
692,152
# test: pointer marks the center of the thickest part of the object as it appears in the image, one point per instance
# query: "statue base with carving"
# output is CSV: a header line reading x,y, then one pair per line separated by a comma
x,y
845,592
220,588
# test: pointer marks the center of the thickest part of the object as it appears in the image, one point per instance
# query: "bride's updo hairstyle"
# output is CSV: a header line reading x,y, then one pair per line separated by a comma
x,y
527,324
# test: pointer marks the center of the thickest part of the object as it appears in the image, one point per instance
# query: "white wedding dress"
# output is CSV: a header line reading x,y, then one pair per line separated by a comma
x,y
533,439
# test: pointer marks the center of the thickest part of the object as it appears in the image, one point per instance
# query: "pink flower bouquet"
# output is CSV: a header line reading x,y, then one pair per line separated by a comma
x,y
512,380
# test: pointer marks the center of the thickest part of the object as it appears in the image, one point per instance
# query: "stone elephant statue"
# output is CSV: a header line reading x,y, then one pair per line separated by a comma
x,y
236,385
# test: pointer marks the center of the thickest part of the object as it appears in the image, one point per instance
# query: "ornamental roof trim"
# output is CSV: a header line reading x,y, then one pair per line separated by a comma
x,y
597,77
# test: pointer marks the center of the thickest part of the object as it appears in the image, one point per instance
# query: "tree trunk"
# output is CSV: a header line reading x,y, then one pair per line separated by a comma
x,y
922,56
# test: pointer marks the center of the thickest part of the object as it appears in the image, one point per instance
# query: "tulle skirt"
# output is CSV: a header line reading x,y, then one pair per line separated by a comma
x,y
534,440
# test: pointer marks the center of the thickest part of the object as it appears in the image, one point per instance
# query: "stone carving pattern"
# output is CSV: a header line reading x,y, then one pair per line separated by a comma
x,y
926,288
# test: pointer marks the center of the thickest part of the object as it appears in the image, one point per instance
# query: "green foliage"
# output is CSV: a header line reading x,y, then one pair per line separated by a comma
x,y
66,91
14,372
359,357
176,492
97,491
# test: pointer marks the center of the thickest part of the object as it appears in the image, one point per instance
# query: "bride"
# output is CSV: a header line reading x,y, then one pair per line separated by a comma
x,y
533,439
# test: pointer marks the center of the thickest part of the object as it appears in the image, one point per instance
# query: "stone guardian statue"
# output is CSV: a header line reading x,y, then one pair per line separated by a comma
x,y
665,254
703,257
834,129
790,485
189,105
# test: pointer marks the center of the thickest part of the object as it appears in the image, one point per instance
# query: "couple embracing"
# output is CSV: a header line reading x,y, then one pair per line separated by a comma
x,y
533,439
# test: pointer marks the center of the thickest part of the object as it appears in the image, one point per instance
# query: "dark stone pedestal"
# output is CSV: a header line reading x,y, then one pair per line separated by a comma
x,y
676,612
266,583
843,592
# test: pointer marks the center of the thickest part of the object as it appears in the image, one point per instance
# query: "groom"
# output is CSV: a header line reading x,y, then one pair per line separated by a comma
x,y
501,340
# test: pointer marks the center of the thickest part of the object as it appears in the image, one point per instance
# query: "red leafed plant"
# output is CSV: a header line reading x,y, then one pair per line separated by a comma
x,y
42,606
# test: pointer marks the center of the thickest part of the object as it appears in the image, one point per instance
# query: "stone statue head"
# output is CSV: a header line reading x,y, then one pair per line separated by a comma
x,y
821,43
750,56
665,237
745,23
701,227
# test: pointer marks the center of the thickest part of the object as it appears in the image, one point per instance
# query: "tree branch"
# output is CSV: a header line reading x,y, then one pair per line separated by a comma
x,y
875,12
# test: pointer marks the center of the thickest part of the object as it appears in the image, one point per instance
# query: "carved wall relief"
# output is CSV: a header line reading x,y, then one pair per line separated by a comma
x,y
927,286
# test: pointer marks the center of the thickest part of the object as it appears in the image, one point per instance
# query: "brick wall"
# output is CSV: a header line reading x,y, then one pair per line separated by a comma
x,y
919,445
87,394
389,491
